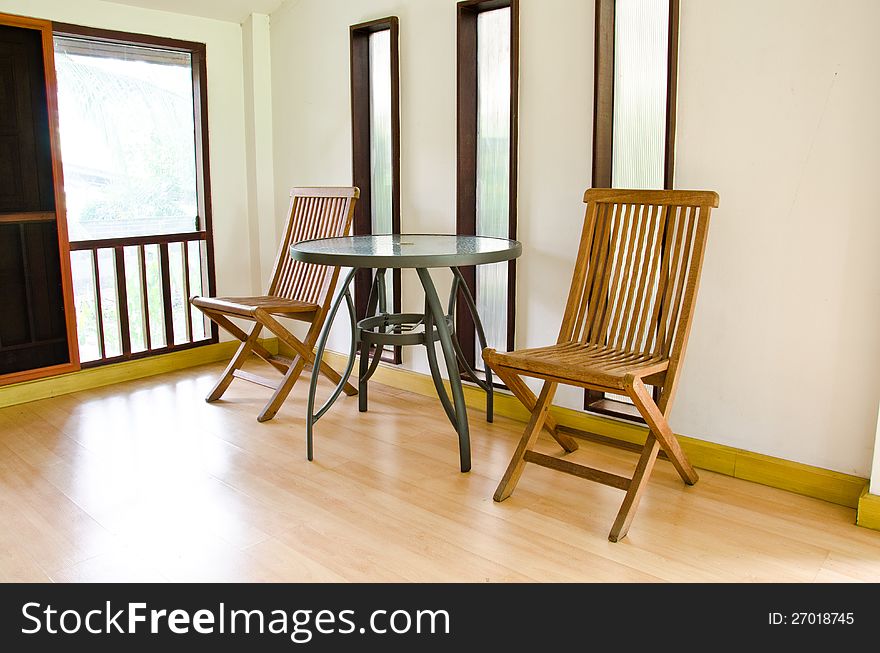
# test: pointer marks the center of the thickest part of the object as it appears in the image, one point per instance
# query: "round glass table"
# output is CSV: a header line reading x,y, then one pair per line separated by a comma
x,y
420,252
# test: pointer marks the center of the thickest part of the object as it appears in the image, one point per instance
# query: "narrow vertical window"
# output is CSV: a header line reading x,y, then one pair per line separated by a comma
x,y
487,101
641,36
381,183
376,145
636,65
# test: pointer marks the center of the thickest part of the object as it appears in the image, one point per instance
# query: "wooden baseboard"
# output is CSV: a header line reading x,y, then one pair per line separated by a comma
x,y
869,510
96,377
825,484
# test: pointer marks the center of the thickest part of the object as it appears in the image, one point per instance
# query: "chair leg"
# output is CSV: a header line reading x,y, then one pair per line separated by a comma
x,y
362,376
660,428
290,378
304,350
225,323
515,468
237,361
522,392
634,493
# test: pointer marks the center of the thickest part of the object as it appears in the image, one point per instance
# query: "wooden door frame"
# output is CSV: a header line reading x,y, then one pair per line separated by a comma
x,y
45,29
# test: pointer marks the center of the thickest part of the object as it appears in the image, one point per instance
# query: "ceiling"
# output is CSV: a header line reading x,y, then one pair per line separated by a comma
x,y
235,11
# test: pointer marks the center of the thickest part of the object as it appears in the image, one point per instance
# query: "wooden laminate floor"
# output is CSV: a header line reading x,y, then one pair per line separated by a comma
x,y
144,481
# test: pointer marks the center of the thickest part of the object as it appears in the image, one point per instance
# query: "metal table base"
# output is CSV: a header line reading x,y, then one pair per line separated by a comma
x,y
381,328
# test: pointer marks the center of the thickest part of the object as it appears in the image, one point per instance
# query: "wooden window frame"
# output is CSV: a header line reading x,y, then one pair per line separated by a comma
x,y
359,37
198,52
466,143
603,142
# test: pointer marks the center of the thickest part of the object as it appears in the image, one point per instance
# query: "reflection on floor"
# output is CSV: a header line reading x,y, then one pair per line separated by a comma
x,y
144,481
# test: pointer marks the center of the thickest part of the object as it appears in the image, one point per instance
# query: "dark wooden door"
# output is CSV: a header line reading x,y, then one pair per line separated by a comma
x,y
34,313
25,154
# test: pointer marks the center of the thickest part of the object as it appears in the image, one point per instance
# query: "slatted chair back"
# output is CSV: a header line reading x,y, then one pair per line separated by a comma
x,y
637,270
314,213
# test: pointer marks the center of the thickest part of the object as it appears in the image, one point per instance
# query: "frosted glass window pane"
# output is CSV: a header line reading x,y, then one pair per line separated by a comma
x,y
380,138
127,139
137,322
84,301
493,167
641,38
179,302
197,267
155,301
109,303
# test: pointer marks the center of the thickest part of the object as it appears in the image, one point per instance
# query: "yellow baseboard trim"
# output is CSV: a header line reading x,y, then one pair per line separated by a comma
x,y
96,377
869,510
825,484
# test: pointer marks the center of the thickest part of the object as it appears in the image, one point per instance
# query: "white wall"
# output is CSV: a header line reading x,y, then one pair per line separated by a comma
x,y
776,112
226,120
263,223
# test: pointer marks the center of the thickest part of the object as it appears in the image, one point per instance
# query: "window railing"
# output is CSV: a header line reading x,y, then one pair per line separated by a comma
x,y
132,295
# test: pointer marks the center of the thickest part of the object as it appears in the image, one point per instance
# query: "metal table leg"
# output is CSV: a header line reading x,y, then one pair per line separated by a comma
x,y
368,367
434,367
487,386
311,415
438,320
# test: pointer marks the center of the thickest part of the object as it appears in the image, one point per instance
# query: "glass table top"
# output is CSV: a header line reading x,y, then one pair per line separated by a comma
x,y
406,251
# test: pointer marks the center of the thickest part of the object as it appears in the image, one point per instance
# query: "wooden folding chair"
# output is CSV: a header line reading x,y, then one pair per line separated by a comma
x,y
625,328
300,291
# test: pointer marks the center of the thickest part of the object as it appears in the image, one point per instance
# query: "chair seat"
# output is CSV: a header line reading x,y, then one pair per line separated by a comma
x,y
247,306
594,365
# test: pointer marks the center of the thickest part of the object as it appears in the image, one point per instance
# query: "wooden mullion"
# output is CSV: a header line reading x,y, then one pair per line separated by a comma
x,y
99,311
184,253
122,300
603,94
124,38
166,294
142,261
671,95
126,241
